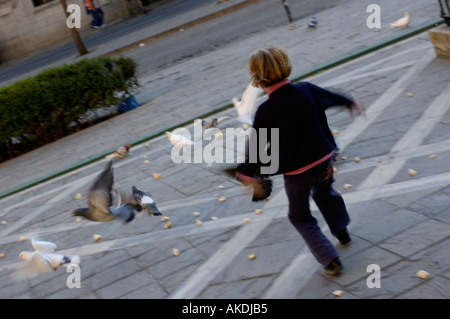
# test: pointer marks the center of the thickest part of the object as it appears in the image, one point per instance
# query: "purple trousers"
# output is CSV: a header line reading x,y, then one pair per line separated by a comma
x,y
316,182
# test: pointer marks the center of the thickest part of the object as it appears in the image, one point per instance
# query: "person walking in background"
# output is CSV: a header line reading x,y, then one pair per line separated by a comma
x,y
306,148
93,7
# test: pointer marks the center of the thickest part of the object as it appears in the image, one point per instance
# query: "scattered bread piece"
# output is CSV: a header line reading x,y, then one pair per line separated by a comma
x,y
156,176
337,293
422,274
168,225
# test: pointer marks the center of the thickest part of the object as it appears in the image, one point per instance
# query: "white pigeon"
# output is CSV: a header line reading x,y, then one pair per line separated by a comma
x,y
178,140
402,22
213,122
245,106
42,260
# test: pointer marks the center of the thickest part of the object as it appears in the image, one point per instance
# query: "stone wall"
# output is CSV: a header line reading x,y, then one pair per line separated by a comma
x,y
25,28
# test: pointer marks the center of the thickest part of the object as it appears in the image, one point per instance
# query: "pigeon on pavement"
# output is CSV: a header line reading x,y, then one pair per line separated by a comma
x,y
209,123
312,24
245,106
145,201
178,140
100,201
121,152
42,260
402,22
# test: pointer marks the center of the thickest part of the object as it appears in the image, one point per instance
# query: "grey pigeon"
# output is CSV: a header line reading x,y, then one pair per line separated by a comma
x,y
145,201
209,123
313,23
100,201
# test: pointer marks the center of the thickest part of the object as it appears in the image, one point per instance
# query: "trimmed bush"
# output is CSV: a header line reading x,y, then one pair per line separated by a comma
x,y
44,108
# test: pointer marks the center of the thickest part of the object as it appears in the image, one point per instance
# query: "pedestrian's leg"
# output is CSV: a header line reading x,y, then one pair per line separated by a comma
x,y
101,15
298,189
95,19
330,203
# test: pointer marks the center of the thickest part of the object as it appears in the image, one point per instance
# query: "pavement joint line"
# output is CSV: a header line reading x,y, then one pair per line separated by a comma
x,y
341,80
270,212
220,260
411,139
322,67
423,126
379,105
36,212
371,65
349,166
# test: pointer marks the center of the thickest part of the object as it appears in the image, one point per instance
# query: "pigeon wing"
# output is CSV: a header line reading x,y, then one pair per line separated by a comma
x,y
245,107
125,212
105,180
43,246
99,195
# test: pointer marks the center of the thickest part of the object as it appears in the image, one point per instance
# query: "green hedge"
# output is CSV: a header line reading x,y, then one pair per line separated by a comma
x,y
38,110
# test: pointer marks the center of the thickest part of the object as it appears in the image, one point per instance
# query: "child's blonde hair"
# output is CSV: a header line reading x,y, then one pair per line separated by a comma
x,y
269,66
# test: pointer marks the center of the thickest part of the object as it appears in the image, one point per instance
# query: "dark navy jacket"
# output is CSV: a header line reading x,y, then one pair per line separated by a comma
x,y
298,111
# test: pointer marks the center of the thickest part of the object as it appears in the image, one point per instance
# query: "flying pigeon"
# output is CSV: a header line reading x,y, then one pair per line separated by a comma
x,y
402,22
178,140
312,24
121,152
211,122
245,106
100,201
262,187
42,260
146,201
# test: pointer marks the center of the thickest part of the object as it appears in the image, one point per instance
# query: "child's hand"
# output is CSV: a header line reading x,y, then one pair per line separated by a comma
x,y
359,108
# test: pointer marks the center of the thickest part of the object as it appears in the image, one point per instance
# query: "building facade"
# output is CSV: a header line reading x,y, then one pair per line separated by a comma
x,y
29,25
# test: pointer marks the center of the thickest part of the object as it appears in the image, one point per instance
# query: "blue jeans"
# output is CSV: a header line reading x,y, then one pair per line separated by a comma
x,y
97,17
316,182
